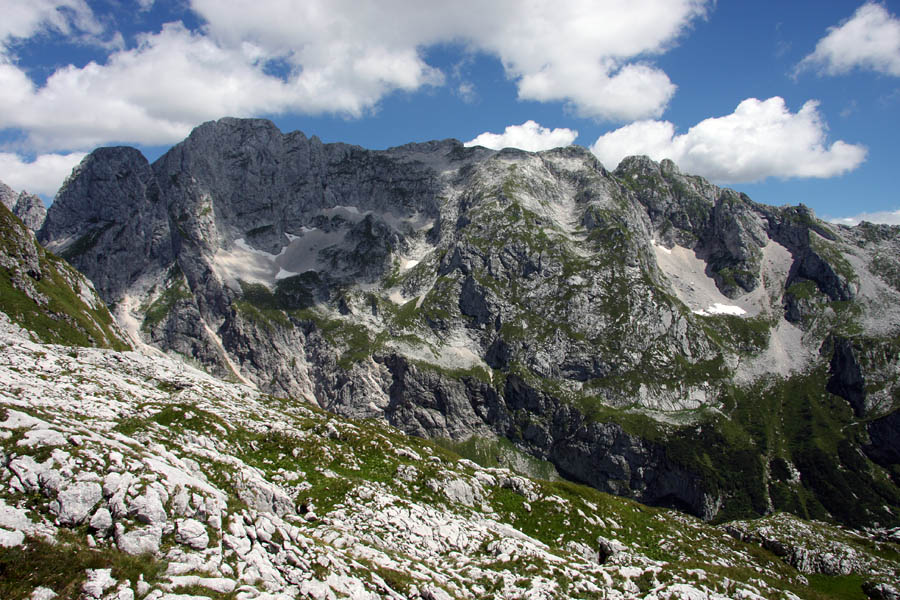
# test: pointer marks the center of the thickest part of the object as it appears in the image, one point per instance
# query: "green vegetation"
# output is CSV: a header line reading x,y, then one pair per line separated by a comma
x,y
732,278
749,335
176,290
61,566
832,254
888,268
796,420
64,318
186,417
804,290
746,451
474,372
845,587
500,452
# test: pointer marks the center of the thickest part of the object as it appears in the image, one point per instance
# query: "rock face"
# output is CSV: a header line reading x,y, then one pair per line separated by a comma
x,y
27,207
639,329
75,503
114,191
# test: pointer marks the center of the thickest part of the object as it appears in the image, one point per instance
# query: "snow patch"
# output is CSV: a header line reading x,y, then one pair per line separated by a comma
x,y
282,274
721,309
686,273
243,263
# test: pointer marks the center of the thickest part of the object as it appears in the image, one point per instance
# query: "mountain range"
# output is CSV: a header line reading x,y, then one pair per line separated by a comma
x,y
640,331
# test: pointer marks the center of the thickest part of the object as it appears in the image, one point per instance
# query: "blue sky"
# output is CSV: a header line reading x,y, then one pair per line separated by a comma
x,y
788,101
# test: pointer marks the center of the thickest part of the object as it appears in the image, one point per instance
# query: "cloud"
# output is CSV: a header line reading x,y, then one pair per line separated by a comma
x,y
760,139
528,136
890,217
583,52
870,39
336,56
591,55
466,92
43,176
155,93
23,20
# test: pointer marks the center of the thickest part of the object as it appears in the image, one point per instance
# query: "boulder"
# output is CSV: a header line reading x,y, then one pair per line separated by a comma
x,y
75,503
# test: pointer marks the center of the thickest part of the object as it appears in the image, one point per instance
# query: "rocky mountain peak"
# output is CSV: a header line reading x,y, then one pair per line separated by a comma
x,y
109,220
27,207
7,196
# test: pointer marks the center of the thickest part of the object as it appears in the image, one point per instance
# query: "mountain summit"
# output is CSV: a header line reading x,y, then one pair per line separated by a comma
x,y
642,331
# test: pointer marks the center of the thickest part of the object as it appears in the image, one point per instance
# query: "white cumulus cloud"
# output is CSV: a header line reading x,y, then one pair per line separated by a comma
x,y
528,136
329,56
44,175
153,94
889,217
870,39
584,52
25,19
760,139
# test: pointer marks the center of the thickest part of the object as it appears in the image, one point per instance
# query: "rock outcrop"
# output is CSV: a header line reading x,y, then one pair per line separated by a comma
x,y
27,207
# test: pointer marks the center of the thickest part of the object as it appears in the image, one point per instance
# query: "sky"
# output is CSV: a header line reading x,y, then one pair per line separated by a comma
x,y
791,102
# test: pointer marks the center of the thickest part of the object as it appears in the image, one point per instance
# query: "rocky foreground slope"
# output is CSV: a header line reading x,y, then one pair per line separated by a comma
x,y
644,331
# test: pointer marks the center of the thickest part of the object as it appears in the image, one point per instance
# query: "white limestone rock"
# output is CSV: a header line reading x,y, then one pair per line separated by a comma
x,y
148,508
98,581
142,540
42,437
407,473
42,593
75,503
123,592
262,495
102,521
431,592
521,486
457,490
191,532
27,471
221,585
10,539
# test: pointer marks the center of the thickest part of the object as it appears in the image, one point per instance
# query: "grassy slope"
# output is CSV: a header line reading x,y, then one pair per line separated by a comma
x,y
66,318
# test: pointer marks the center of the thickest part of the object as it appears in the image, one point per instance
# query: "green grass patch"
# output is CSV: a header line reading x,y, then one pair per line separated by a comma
x,y
842,587
61,566
500,452
162,307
